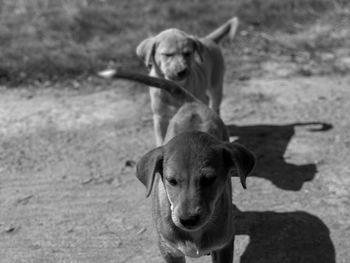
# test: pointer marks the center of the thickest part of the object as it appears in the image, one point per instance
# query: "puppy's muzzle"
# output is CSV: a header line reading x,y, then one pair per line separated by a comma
x,y
190,222
180,75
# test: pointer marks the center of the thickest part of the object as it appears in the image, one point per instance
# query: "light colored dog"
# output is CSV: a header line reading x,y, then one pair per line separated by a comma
x,y
190,175
195,64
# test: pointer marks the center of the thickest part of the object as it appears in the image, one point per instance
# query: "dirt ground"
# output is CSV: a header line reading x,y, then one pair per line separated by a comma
x,y
68,191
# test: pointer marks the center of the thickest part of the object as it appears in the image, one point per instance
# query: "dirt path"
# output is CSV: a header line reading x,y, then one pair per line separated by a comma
x,y
68,191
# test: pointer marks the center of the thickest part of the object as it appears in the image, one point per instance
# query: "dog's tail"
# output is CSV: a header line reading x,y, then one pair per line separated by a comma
x,y
230,27
167,85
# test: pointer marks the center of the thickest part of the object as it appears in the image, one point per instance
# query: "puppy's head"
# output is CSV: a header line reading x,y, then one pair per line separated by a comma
x,y
194,168
171,53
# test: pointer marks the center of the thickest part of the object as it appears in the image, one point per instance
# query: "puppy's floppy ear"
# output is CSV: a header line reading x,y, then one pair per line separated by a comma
x,y
239,160
145,51
150,164
198,48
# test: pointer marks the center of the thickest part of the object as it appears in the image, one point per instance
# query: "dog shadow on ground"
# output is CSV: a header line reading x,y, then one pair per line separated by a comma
x,y
293,237
269,143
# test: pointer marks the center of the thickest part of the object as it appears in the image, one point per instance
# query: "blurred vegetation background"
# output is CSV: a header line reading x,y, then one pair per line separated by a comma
x,y
54,40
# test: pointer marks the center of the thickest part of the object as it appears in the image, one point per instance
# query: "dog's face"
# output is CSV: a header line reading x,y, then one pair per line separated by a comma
x,y
194,178
171,53
194,168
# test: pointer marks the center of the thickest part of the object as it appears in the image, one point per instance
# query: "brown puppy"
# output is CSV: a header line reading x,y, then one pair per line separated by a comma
x,y
190,175
195,64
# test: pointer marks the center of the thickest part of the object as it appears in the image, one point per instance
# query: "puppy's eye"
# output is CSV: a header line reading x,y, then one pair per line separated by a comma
x,y
172,181
207,181
168,55
187,54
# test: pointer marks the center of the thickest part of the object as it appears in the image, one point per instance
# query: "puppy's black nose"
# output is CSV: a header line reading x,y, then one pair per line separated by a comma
x,y
189,222
182,74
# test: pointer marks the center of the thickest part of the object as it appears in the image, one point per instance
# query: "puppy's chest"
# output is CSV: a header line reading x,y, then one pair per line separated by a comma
x,y
200,245
192,248
198,82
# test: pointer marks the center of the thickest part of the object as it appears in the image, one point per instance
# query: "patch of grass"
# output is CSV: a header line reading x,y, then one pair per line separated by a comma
x,y
59,39
285,14
55,40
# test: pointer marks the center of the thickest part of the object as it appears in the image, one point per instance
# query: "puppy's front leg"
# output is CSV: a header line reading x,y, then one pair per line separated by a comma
x,y
224,255
215,98
170,255
160,124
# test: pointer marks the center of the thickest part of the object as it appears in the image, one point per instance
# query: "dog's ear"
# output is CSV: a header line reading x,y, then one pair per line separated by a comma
x,y
238,160
145,51
150,164
198,48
